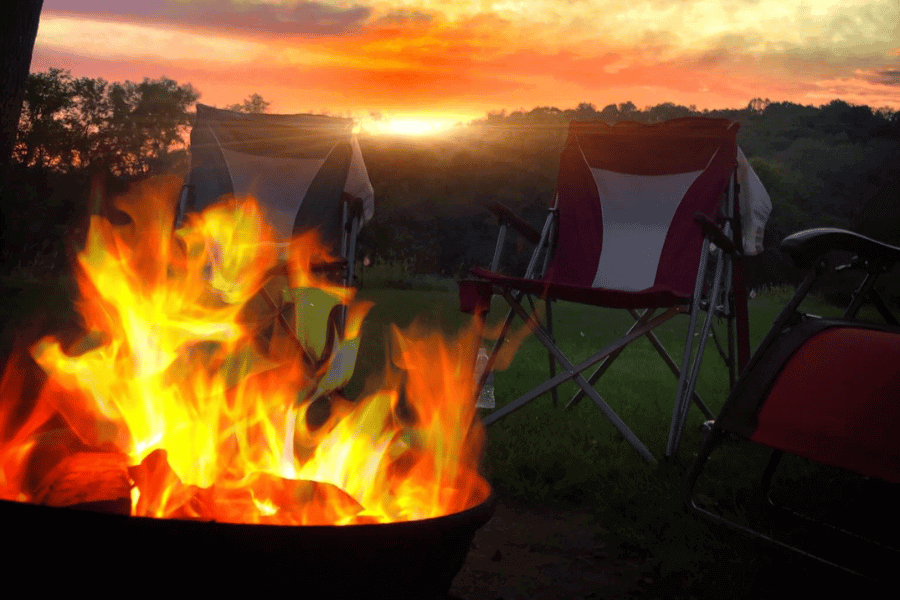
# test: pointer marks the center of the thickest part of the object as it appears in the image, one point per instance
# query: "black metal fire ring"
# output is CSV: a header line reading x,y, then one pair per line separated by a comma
x,y
66,550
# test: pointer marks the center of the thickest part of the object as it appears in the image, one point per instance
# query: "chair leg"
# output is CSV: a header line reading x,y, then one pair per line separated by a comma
x,y
553,393
766,492
713,440
670,362
710,443
640,320
573,372
552,363
769,474
688,379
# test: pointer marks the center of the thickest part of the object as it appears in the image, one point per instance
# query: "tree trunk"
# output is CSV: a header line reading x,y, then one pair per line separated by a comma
x,y
18,30
17,34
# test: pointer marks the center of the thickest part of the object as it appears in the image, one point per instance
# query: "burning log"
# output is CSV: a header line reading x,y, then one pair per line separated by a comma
x,y
88,480
169,399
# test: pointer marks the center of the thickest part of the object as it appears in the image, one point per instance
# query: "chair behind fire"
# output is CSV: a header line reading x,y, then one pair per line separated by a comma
x,y
305,170
824,389
636,210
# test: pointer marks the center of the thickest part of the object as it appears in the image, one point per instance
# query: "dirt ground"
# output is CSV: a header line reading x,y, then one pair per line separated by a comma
x,y
530,553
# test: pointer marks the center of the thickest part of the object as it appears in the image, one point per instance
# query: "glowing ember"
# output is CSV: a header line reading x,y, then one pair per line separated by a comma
x,y
181,379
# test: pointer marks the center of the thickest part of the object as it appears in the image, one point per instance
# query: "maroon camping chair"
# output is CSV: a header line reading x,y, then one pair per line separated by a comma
x,y
824,389
639,210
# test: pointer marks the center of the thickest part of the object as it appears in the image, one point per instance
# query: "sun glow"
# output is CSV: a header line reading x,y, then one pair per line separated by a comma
x,y
407,126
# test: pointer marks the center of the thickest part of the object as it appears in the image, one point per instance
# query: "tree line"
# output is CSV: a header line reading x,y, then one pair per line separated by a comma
x,y
127,129
81,134
833,165
837,164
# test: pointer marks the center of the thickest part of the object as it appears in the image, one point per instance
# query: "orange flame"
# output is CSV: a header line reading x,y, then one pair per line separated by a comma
x,y
204,350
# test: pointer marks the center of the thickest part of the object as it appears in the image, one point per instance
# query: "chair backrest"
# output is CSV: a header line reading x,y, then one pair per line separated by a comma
x,y
296,166
627,195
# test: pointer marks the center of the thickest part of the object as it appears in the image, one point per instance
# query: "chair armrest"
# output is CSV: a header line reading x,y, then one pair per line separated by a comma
x,y
522,227
333,267
805,247
715,233
355,204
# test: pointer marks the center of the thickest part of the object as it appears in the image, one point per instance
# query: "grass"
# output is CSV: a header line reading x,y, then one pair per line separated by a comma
x,y
397,275
576,458
31,303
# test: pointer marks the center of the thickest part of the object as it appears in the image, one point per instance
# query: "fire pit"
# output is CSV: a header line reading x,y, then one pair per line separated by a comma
x,y
182,417
414,559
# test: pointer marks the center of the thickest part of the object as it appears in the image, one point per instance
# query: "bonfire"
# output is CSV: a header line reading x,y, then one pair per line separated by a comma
x,y
190,389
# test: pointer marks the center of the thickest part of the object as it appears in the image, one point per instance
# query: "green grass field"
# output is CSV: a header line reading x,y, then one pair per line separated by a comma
x,y
572,458
562,458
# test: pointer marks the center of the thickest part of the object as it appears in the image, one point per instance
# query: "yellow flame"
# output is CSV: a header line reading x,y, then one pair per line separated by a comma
x,y
204,376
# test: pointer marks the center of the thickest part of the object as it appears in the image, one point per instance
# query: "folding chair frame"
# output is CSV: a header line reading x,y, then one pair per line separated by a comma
x,y
719,301
808,250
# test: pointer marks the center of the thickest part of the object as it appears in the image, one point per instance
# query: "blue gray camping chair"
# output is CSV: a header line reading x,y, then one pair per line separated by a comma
x,y
306,171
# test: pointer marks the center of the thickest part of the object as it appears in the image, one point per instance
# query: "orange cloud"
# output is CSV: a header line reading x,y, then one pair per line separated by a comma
x,y
392,58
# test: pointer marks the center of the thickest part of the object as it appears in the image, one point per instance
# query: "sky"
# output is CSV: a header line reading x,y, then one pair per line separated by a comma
x,y
431,62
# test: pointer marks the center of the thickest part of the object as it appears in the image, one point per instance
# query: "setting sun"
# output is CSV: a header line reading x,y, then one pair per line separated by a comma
x,y
407,126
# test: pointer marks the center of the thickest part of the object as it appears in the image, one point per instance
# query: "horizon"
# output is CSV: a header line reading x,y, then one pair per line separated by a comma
x,y
419,66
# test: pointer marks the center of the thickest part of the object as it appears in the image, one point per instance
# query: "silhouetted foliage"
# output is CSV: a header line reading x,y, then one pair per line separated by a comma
x,y
253,104
838,165
77,132
835,165
125,128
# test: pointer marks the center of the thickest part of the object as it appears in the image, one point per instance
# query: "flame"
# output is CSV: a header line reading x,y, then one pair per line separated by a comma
x,y
203,355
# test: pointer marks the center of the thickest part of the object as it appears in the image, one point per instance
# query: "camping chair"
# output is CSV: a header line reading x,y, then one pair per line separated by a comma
x,y
306,171
636,211
823,389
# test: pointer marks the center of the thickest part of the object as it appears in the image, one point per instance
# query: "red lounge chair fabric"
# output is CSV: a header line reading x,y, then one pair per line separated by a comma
x,y
837,401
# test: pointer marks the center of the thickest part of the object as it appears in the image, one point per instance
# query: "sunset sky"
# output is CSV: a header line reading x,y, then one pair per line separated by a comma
x,y
451,61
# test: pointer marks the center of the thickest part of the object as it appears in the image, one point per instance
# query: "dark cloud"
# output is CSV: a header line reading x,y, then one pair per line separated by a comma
x,y
404,17
713,58
884,76
284,18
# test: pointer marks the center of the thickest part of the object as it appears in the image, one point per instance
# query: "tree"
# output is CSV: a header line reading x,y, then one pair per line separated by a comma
x,y
758,105
17,35
586,111
253,104
610,113
126,128
148,120
668,110
45,121
627,111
